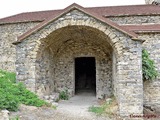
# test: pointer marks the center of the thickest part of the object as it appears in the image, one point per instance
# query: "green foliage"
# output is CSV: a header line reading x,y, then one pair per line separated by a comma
x,y
12,94
54,107
15,118
148,67
98,110
8,101
64,95
9,76
101,109
104,108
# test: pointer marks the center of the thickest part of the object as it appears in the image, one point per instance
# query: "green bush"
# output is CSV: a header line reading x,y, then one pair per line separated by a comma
x,y
9,76
12,94
64,95
148,67
8,101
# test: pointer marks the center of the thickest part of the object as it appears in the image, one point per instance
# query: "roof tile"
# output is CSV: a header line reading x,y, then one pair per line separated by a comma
x,y
103,11
78,7
143,28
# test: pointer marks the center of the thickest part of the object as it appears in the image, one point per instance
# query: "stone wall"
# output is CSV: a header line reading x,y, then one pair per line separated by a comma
x,y
44,72
55,61
152,44
128,71
152,88
8,35
64,71
139,20
45,60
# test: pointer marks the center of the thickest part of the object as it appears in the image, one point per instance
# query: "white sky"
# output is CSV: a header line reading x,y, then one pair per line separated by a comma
x,y
11,7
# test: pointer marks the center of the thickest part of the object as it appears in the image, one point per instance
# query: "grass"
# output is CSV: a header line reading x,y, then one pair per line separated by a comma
x,y
98,110
13,94
15,118
105,108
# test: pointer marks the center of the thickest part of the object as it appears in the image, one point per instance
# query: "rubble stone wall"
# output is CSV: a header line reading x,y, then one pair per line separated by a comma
x,y
152,88
55,70
127,52
152,45
136,20
8,35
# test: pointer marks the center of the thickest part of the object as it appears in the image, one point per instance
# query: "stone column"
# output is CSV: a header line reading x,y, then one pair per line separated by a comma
x,y
25,65
129,80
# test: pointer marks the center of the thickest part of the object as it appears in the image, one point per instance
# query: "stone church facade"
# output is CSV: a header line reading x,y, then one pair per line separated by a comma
x,y
49,51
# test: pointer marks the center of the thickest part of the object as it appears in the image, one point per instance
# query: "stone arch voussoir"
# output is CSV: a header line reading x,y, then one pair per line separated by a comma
x,y
107,30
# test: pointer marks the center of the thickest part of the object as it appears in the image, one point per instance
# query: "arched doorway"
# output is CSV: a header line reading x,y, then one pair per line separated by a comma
x,y
45,57
70,57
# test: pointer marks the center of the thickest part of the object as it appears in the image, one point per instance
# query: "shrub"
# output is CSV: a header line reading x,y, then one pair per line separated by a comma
x,y
9,76
12,94
148,67
8,101
64,95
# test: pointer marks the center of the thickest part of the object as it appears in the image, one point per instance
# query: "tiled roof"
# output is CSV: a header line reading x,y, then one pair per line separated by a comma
x,y
80,8
29,16
143,28
103,11
127,10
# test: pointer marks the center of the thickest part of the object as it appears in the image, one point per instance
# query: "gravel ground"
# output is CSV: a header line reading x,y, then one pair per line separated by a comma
x,y
74,109
49,114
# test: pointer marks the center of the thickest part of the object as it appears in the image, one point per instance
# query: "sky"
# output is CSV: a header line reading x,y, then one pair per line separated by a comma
x,y
11,7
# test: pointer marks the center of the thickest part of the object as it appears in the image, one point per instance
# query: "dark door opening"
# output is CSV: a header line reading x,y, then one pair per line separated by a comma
x,y
85,74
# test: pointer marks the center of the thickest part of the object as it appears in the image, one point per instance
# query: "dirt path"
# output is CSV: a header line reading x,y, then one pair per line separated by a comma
x,y
78,105
74,109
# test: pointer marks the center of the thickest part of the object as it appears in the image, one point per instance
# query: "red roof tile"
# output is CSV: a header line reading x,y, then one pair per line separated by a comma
x,y
127,10
78,7
103,11
143,28
29,16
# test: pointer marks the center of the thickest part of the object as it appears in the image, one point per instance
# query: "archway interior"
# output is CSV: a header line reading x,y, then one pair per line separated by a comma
x,y
56,59
85,75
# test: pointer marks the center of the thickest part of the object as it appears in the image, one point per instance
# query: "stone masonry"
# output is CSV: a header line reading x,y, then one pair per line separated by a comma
x,y
8,35
136,20
45,59
152,45
62,57
152,88
68,46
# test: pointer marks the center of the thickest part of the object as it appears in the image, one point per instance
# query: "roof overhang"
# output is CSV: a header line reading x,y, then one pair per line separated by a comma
x,y
80,8
148,28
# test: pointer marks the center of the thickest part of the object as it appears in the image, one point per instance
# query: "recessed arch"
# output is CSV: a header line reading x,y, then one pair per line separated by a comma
x,y
57,53
44,63
92,24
